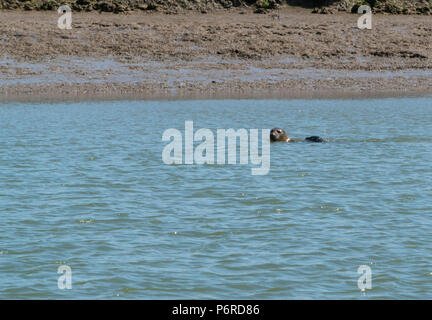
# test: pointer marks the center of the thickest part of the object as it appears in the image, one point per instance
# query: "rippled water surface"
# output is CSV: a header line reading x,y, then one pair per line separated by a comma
x,y
84,185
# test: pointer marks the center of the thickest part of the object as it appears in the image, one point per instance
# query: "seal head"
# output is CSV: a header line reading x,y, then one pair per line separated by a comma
x,y
278,134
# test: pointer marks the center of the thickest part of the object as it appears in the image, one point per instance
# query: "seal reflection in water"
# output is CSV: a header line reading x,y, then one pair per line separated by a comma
x,y
279,135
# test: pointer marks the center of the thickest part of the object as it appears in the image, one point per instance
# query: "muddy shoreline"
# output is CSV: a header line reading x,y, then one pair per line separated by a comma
x,y
235,54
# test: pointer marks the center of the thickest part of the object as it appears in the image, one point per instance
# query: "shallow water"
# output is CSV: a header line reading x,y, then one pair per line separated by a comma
x,y
109,70
83,185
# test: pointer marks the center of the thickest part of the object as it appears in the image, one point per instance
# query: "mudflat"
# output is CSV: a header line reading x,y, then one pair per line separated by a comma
x,y
231,53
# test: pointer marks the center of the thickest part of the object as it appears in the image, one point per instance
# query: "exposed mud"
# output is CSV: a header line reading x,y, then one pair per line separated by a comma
x,y
230,53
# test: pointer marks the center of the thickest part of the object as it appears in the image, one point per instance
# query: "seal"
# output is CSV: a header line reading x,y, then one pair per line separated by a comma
x,y
279,135
314,139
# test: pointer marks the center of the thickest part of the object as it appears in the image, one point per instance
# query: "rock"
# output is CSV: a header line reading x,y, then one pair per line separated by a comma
x,y
28,6
424,10
142,6
260,11
83,2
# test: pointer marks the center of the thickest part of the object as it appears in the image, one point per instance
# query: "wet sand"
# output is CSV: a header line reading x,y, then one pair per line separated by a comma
x,y
226,54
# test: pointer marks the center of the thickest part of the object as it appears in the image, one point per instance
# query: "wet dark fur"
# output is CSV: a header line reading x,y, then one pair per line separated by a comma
x,y
279,135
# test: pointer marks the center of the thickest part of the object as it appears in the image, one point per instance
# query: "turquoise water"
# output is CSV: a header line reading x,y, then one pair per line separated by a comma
x,y
84,185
